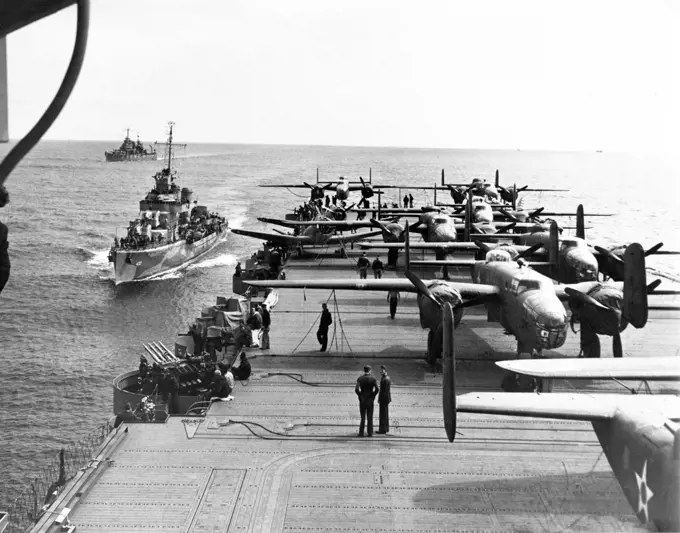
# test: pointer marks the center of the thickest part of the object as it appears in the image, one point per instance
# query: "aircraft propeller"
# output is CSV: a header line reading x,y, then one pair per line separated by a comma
x,y
421,287
510,195
606,310
340,213
448,372
317,191
533,215
366,189
458,192
479,228
595,318
395,233
613,265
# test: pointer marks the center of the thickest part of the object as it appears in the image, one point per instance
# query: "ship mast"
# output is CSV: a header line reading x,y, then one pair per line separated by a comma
x,y
171,124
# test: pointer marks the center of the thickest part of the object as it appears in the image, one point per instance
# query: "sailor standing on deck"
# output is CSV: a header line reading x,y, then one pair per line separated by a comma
x,y
393,297
384,399
378,268
266,323
363,265
324,323
366,389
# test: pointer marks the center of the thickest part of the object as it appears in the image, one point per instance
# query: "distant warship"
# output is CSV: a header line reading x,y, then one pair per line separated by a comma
x,y
131,151
171,232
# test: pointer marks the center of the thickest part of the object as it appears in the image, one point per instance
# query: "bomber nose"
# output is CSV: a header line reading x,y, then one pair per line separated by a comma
x,y
554,320
585,265
551,328
587,270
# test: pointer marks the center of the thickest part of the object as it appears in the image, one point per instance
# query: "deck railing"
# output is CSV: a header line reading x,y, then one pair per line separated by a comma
x,y
49,481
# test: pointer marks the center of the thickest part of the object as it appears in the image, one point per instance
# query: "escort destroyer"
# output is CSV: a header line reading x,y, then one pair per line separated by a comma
x,y
171,232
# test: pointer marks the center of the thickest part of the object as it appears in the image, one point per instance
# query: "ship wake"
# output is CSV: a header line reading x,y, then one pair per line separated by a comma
x,y
219,261
97,259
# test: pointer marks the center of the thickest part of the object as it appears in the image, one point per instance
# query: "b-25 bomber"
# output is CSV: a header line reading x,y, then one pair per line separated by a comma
x,y
526,303
639,434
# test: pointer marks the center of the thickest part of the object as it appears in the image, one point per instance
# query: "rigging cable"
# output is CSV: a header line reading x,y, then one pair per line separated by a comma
x,y
26,144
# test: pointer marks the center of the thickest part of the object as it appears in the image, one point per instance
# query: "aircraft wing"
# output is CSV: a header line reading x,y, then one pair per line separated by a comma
x,y
567,406
471,246
338,239
642,368
384,284
347,224
468,262
583,286
467,290
291,186
277,238
398,210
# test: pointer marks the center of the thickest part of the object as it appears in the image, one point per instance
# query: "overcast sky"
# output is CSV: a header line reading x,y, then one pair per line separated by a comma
x,y
471,74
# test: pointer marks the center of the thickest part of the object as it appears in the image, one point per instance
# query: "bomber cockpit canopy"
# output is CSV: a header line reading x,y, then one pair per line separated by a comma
x,y
498,255
441,220
572,242
523,285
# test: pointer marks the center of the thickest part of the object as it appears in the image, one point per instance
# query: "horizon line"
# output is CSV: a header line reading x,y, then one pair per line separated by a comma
x,y
411,147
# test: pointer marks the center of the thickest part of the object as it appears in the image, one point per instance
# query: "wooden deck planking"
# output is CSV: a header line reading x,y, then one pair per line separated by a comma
x,y
491,479
502,473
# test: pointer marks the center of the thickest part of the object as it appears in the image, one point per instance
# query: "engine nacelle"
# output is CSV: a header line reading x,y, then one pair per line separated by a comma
x,y
430,313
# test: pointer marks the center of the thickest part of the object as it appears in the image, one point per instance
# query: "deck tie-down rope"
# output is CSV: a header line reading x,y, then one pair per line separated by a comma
x,y
336,320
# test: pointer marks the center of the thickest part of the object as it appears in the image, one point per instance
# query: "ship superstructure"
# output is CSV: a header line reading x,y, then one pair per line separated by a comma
x,y
130,150
171,231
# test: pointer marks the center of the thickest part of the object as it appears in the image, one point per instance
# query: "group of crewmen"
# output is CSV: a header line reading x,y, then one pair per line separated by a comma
x,y
224,377
277,256
367,389
308,211
363,263
217,378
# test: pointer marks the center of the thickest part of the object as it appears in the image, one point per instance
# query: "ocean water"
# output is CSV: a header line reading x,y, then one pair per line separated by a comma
x,y
66,331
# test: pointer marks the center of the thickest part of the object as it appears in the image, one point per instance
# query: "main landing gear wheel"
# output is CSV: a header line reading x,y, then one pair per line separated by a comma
x,y
515,383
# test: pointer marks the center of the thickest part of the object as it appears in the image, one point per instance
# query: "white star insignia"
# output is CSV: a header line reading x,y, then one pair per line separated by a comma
x,y
644,492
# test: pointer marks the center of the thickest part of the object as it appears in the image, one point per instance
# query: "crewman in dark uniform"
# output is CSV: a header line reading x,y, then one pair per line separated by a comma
x,y
393,297
363,264
384,399
378,268
243,370
366,389
219,388
324,323
266,324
